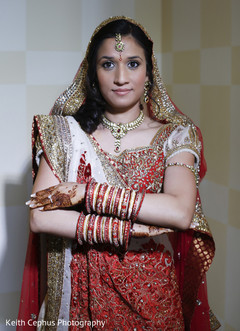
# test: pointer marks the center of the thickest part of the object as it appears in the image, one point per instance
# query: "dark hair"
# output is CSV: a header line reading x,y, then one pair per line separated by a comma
x,y
89,114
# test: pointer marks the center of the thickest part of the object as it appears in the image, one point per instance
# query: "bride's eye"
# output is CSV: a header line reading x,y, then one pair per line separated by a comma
x,y
133,64
108,65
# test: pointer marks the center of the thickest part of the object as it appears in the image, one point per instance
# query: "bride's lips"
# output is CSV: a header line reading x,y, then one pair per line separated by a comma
x,y
121,91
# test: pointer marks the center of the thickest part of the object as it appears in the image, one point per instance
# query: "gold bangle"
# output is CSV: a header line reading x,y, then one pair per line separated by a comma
x,y
95,230
95,194
102,228
113,200
131,203
110,230
121,233
120,202
85,227
106,198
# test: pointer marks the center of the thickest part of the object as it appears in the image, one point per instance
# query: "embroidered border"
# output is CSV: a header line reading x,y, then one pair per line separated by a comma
x,y
54,136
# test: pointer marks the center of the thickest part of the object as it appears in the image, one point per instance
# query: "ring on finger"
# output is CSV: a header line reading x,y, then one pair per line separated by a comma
x,y
50,198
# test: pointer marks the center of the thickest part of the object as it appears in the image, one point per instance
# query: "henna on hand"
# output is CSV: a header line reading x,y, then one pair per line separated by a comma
x,y
143,230
63,195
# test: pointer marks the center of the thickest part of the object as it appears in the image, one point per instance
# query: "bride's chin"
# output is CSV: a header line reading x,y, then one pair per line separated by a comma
x,y
121,108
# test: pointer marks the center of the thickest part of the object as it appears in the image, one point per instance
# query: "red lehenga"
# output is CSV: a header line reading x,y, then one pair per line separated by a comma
x,y
158,284
137,289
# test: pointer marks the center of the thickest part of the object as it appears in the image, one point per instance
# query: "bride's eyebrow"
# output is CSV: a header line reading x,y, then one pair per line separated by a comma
x,y
135,57
106,58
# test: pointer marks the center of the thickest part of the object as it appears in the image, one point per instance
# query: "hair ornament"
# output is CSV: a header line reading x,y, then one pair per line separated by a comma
x,y
119,46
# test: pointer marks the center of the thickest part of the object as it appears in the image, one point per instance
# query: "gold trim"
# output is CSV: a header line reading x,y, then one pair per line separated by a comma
x,y
54,145
214,322
52,135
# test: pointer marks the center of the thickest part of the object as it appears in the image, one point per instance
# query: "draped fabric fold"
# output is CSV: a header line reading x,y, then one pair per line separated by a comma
x,y
29,300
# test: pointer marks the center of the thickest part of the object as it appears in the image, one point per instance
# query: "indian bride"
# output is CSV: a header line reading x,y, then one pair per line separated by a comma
x,y
118,238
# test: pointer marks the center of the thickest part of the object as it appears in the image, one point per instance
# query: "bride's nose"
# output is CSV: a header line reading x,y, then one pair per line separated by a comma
x,y
121,75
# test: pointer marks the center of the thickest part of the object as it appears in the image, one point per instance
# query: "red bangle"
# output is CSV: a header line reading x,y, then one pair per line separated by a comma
x,y
99,220
106,231
110,230
133,216
100,197
95,228
115,232
88,194
140,205
102,229
94,195
117,198
127,234
85,227
131,201
124,208
120,202
90,229
121,233
108,204
80,228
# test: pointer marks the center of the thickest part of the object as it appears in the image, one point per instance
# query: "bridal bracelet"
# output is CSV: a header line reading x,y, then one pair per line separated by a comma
x,y
105,199
96,229
111,210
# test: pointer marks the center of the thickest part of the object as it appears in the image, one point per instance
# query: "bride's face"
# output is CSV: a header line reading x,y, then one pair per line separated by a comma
x,y
121,76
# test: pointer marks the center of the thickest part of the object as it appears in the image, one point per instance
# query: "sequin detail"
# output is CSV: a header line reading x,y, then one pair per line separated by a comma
x,y
139,289
52,133
139,168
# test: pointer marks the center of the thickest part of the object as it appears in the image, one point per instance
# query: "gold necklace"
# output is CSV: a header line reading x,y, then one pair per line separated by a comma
x,y
119,130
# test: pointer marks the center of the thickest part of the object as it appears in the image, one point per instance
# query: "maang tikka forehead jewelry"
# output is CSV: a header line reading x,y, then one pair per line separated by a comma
x,y
119,46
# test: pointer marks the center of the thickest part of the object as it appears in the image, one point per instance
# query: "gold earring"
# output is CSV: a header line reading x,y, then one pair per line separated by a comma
x,y
146,89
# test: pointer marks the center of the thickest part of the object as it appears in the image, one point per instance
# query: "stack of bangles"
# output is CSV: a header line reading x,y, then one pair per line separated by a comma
x,y
105,199
96,229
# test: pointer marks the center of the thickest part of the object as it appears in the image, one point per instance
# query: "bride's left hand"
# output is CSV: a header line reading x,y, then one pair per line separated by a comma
x,y
60,196
144,230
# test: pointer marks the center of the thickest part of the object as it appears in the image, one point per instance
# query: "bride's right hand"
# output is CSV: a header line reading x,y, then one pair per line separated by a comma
x,y
63,195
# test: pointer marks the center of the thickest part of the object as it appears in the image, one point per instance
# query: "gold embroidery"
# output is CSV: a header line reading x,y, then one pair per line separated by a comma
x,y
52,135
214,323
191,141
139,168
55,246
199,219
133,166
